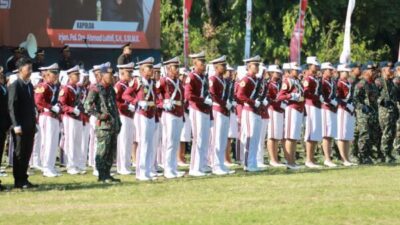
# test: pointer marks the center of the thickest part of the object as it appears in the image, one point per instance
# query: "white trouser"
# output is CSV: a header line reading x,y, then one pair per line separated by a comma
x,y
233,126
240,143
186,135
136,127
261,144
251,126
219,140
201,133
124,144
84,147
156,158
72,135
144,163
50,130
92,141
313,124
171,137
36,151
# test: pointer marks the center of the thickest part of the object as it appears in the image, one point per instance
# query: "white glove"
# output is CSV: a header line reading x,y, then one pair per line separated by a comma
x,y
294,96
55,108
143,105
234,104
283,105
76,111
168,106
334,102
18,130
208,101
321,99
265,102
257,103
131,108
228,105
350,107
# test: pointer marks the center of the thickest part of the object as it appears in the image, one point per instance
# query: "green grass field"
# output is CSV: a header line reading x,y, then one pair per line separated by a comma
x,y
360,195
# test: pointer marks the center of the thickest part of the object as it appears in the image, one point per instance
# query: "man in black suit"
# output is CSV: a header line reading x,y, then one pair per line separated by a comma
x,y
4,116
22,113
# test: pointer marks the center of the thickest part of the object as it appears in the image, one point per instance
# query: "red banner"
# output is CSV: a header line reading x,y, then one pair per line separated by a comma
x,y
298,33
187,6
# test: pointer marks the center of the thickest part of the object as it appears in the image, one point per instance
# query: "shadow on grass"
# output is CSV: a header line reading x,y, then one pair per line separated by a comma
x,y
72,186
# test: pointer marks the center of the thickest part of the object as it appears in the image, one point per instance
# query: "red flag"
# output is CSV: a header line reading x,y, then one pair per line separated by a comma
x,y
298,33
187,6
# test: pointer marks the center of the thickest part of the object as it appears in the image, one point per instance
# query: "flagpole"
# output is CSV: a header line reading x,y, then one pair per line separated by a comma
x,y
184,35
247,38
298,37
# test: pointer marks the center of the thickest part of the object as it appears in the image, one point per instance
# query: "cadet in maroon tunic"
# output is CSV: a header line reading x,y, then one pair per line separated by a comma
x,y
171,92
126,112
292,92
276,114
71,107
196,93
313,99
49,119
328,110
221,109
142,94
247,94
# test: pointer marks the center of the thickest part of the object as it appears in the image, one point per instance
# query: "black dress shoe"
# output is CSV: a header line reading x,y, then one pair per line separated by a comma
x,y
26,185
110,180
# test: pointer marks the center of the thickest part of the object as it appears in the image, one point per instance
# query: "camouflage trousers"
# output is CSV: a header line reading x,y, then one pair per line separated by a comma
x,y
365,126
106,150
387,122
397,138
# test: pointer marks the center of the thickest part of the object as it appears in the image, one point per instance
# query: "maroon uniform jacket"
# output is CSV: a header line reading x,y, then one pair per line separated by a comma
x,y
311,86
272,96
246,93
328,88
171,90
194,88
44,94
142,90
68,100
289,86
343,94
219,94
122,105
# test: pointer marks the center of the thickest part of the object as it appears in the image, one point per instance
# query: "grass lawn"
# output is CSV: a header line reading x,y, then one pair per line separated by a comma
x,y
360,195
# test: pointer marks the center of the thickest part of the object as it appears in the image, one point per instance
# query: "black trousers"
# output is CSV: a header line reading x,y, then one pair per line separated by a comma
x,y
23,146
3,136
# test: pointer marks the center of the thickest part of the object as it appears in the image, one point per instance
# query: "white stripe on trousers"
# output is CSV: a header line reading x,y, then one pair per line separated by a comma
x,y
261,144
219,140
251,125
73,135
146,128
201,133
124,144
49,130
172,131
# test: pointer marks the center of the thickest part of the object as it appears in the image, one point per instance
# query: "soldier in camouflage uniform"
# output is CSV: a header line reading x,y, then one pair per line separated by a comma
x,y
388,111
397,138
354,78
377,134
101,103
365,97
